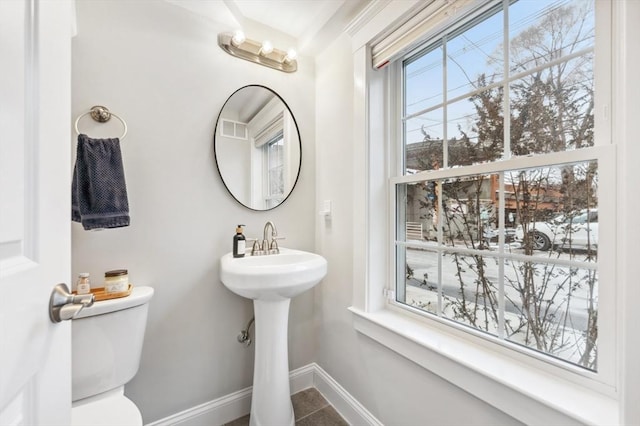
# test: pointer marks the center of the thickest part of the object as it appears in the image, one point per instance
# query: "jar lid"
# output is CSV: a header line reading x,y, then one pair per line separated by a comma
x,y
116,273
83,275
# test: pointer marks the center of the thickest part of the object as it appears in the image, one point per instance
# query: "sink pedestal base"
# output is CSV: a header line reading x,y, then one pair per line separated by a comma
x,y
271,398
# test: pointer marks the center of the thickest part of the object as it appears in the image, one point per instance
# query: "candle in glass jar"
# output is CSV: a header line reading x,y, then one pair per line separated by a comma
x,y
116,281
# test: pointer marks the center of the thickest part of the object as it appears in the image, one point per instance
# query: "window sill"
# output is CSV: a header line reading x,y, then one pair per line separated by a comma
x,y
527,394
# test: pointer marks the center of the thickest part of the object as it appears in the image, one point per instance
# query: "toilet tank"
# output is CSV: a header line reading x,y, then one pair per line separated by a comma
x,y
107,343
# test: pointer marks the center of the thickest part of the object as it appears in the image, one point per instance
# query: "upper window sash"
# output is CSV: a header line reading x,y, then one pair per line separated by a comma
x,y
443,77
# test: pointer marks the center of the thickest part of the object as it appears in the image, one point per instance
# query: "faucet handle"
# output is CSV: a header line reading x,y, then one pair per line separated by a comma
x,y
257,250
248,241
273,248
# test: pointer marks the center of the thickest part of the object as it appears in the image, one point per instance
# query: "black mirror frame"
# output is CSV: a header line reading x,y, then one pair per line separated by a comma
x,y
215,153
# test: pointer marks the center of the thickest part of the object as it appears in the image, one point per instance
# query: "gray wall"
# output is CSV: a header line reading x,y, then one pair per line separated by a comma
x,y
396,391
159,67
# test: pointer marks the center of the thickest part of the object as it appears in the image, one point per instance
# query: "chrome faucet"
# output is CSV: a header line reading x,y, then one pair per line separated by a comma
x,y
267,246
270,247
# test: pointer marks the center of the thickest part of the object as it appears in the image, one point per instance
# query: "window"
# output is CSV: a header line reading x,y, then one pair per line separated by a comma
x,y
274,169
502,169
233,129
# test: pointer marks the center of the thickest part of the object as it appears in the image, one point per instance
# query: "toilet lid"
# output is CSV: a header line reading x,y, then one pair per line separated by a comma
x,y
112,411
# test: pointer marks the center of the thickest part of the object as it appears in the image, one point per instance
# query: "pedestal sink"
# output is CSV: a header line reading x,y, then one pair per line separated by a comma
x,y
271,281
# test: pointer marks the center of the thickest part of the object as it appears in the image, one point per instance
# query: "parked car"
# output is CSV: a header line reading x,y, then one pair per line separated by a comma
x,y
491,235
572,231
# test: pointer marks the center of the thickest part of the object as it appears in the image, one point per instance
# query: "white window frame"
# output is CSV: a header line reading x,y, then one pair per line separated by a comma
x,y
531,392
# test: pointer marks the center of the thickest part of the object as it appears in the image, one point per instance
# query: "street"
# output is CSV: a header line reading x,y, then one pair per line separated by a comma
x,y
563,287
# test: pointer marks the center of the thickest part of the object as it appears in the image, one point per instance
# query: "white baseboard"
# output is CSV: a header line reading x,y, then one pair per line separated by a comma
x,y
238,404
349,408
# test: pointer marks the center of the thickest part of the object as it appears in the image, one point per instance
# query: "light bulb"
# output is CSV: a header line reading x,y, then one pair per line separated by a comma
x,y
266,48
238,38
291,55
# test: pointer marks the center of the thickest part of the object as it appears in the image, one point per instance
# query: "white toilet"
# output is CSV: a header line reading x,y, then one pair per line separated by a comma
x,y
106,347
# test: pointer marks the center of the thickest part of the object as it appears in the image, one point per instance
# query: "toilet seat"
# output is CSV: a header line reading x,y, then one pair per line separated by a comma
x,y
113,410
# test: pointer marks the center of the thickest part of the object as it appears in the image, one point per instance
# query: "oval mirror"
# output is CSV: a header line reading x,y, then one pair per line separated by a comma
x,y
257,147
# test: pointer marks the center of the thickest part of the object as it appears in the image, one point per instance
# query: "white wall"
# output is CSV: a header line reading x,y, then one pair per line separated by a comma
x,y
158,66
237,173
394,389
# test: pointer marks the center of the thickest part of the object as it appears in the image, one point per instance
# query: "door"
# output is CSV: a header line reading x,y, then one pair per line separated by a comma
x,y
35,241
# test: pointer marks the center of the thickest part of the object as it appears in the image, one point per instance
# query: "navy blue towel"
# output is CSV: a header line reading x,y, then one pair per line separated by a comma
x,y
98,190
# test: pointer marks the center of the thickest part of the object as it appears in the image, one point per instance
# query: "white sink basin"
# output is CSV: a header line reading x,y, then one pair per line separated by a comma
x,y
274,276
271,281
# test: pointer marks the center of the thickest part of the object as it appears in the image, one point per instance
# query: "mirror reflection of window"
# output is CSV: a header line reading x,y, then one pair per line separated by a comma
x,y
274,159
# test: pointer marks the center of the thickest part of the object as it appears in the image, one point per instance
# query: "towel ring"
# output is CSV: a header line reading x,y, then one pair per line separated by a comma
x,y
101,114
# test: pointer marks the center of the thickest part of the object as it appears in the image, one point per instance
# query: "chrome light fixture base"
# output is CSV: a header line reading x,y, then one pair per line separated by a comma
x,y
250,50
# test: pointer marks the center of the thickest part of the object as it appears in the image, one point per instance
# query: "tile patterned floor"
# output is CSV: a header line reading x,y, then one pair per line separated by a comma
x,y
310,409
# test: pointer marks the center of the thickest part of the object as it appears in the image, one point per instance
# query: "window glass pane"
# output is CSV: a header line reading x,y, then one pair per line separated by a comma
x,y
417,268
276,182
555,210
276,153
470,205
417,211
475,129
552,110
470,290
475,57
423,137
544,30
275,167
228,128
241,130
423,82
553,309
418,286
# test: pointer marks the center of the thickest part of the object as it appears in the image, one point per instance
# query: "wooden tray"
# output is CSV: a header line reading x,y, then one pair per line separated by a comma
x,y
100,294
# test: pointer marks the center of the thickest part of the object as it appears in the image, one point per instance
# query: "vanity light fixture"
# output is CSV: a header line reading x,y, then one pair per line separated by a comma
x,y
266,48
236,44
238,38
291,56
